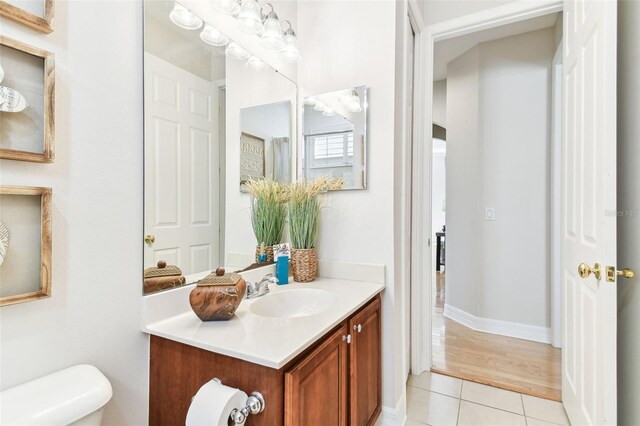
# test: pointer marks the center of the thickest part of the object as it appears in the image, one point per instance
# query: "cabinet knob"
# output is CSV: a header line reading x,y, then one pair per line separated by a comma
x,y
357,328
347,338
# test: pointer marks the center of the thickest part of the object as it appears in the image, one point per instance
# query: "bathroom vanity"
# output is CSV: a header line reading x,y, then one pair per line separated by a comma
x,y
316,362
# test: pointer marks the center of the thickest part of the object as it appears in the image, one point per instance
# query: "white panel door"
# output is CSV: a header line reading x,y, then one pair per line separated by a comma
x,y
589,204
181,168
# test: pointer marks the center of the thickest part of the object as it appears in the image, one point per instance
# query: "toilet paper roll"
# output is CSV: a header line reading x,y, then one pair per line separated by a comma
x,y
213,404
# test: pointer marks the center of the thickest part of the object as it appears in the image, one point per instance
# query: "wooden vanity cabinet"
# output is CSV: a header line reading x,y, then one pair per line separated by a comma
x,y
365,365
318,390
336,382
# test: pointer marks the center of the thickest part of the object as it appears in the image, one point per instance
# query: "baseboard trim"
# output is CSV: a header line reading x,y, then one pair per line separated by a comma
x,y
394,416
502,328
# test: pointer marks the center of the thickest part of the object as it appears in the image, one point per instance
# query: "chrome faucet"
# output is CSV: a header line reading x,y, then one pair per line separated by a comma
x,y
260,288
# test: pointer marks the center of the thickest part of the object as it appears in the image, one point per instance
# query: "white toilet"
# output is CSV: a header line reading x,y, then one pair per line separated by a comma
x,y
73,396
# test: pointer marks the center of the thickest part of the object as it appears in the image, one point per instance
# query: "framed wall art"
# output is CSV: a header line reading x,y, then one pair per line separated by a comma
x,y
25,244
252,157
27,102
35,14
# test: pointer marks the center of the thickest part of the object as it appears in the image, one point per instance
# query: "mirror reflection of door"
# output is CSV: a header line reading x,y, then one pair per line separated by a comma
x,y
183,156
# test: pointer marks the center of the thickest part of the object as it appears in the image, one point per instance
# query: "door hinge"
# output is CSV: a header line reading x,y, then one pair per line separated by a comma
x,y
428,242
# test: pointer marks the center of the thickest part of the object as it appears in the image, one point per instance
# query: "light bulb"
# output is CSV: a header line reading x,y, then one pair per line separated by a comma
x,y
272,35
213,37
256,64
345,97
328,112
319,106
354,103
227,7
290,52
235,51
311,100
354,107
249,18
184,19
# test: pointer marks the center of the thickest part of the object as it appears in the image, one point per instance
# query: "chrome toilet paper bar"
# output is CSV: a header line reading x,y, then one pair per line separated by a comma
x,y
254,405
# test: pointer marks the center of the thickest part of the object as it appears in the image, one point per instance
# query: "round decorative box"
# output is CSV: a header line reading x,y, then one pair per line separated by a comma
x,y
217,296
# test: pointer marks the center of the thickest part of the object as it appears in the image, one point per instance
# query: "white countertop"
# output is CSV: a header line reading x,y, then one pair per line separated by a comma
x,y
268,341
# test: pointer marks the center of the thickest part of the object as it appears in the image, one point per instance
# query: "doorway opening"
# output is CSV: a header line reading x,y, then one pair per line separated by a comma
x,y
495,319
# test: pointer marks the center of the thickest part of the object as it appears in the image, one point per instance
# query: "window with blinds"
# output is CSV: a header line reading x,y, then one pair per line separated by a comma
x,y
332,149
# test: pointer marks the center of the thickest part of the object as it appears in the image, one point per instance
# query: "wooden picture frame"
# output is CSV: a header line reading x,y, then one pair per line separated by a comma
x,y
45,243
48,112
246,172
43,24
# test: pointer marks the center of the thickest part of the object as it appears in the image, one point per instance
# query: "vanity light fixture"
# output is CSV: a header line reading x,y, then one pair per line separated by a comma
x,y
319,106
272,35
311,100
328,112
290,52
256,64
183,18
226,7
235,51
249,19
213,37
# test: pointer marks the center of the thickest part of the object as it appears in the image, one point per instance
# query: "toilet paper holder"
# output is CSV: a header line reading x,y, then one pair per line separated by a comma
x,y
254,405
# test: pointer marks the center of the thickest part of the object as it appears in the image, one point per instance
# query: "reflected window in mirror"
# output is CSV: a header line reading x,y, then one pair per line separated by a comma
x,y
335,136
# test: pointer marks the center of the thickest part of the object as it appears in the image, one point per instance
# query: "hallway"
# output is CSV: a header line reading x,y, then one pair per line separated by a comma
x,y
519,365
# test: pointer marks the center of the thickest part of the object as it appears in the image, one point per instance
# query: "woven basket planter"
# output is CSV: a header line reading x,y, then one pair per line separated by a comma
x,y
268,250
304,264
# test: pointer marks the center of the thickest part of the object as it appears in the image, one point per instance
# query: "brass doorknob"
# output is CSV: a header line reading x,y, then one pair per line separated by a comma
x,y
149,239
585,270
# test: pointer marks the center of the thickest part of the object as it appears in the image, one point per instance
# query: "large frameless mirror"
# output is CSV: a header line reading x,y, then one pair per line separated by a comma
x,y
214,115
335,136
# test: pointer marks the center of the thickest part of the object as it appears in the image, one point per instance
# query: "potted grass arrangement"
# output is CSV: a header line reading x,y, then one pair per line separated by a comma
x,y
268,211
304,213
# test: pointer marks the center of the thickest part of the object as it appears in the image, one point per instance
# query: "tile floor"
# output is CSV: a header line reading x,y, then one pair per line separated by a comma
x,y
438,400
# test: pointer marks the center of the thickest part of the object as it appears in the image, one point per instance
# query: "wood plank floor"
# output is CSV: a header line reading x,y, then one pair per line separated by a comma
x,y
520,365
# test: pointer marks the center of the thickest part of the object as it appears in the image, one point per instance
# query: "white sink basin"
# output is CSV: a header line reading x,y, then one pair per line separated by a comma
x,y
293,303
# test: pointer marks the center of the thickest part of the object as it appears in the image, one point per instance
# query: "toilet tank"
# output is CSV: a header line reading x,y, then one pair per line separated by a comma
x,y
61,398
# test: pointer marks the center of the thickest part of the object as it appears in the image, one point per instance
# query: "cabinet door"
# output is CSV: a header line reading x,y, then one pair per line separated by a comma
x,y
316,387
366,365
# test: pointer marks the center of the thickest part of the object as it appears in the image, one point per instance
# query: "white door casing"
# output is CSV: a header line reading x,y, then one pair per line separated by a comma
x,y
181,167
588,215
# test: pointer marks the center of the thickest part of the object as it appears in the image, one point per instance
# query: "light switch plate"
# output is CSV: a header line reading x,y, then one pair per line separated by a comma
x,y
489,213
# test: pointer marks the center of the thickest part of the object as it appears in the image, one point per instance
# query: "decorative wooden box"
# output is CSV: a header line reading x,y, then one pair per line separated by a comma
x,y
217,296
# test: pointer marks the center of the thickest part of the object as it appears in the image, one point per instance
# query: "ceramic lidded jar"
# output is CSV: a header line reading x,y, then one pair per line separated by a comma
x,y
217,296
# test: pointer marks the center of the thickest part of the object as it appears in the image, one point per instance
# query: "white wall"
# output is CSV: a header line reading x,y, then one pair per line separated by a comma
x,y
440,103
94,314
438,187
629,202
434,11
504,164
358,226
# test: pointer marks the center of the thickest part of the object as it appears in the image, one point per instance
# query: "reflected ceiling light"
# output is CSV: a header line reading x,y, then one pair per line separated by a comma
x,y
184,19
234,51
319,106
290,52
256,64
311,100
272,35
249,19
213,37
328,112
227,7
